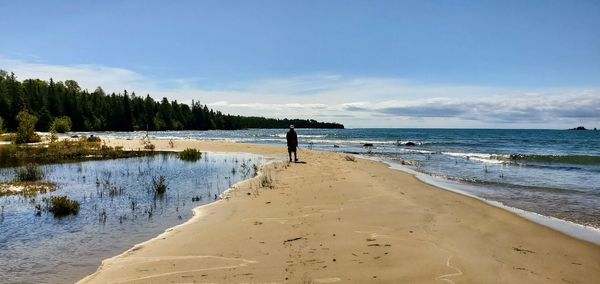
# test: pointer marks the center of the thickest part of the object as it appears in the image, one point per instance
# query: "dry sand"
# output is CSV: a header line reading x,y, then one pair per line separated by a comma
x,y
333,220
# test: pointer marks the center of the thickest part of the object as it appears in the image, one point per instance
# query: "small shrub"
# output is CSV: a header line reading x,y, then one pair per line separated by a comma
x,y
61,124
53,136
62,206
30,172
159,185
190,154
148,145
26,129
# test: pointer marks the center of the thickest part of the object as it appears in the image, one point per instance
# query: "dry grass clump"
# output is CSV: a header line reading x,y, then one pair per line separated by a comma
x,y
147,144
266,181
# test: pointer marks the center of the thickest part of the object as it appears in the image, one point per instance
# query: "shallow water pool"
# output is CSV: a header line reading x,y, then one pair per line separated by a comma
x,y
118,210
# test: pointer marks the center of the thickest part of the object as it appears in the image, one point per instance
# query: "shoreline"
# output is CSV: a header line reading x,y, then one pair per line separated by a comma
x,y
578,231
197,212
109,272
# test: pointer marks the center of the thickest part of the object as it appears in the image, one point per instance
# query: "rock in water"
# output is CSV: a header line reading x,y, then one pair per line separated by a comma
x,y
578,128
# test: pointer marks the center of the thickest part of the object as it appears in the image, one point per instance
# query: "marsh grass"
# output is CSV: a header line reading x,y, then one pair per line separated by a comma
x,y
159,185
115,191
190,155
255,169
64,151
102,216
29,172
62,206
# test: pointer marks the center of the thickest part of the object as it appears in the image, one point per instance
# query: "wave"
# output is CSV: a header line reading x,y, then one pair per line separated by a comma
x,y
527,159
514,186
486,158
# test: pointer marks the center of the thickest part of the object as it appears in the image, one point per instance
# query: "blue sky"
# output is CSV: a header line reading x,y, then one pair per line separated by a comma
x,y
364,63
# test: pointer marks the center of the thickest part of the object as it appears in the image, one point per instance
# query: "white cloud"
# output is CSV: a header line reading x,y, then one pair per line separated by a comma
x,y
87,75
357,102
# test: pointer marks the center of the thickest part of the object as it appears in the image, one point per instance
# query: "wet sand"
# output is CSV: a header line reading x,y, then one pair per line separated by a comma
x,y
333,220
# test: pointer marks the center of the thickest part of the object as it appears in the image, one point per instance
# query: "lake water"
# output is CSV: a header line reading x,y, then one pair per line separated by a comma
x,y
118,210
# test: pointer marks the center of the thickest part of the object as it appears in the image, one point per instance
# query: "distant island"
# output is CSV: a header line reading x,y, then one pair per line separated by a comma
x,y
98,111
581,128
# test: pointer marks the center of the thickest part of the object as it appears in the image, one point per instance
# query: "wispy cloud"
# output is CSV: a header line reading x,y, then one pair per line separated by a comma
x,y
355,101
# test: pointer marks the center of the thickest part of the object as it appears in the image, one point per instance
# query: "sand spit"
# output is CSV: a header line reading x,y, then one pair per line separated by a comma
x,y
336,220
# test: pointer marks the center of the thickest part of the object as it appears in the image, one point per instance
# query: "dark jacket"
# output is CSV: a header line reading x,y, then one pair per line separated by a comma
x,y
292,139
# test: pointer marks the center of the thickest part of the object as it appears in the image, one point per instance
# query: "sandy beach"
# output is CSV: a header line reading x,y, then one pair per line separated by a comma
x,y
336,220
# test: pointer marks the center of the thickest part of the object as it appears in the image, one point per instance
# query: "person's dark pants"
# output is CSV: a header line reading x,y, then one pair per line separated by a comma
x,y
290,150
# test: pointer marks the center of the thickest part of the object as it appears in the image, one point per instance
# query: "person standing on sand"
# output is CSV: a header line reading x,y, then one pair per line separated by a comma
x,y
292,143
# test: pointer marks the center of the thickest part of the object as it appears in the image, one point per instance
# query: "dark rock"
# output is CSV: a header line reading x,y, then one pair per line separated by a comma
x,y
93,138
410,144
368,145
578,128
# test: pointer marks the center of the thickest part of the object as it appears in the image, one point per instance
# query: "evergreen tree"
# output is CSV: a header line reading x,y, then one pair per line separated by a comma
x,y
98,111
26,129
126,116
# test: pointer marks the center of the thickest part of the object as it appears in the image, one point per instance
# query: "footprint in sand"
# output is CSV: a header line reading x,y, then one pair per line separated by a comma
x,y
174,265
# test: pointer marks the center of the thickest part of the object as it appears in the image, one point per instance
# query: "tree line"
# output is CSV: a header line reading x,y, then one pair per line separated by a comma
x,y
99,111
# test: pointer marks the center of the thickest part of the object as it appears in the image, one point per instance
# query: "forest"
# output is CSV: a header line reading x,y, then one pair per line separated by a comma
x,y
99,111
